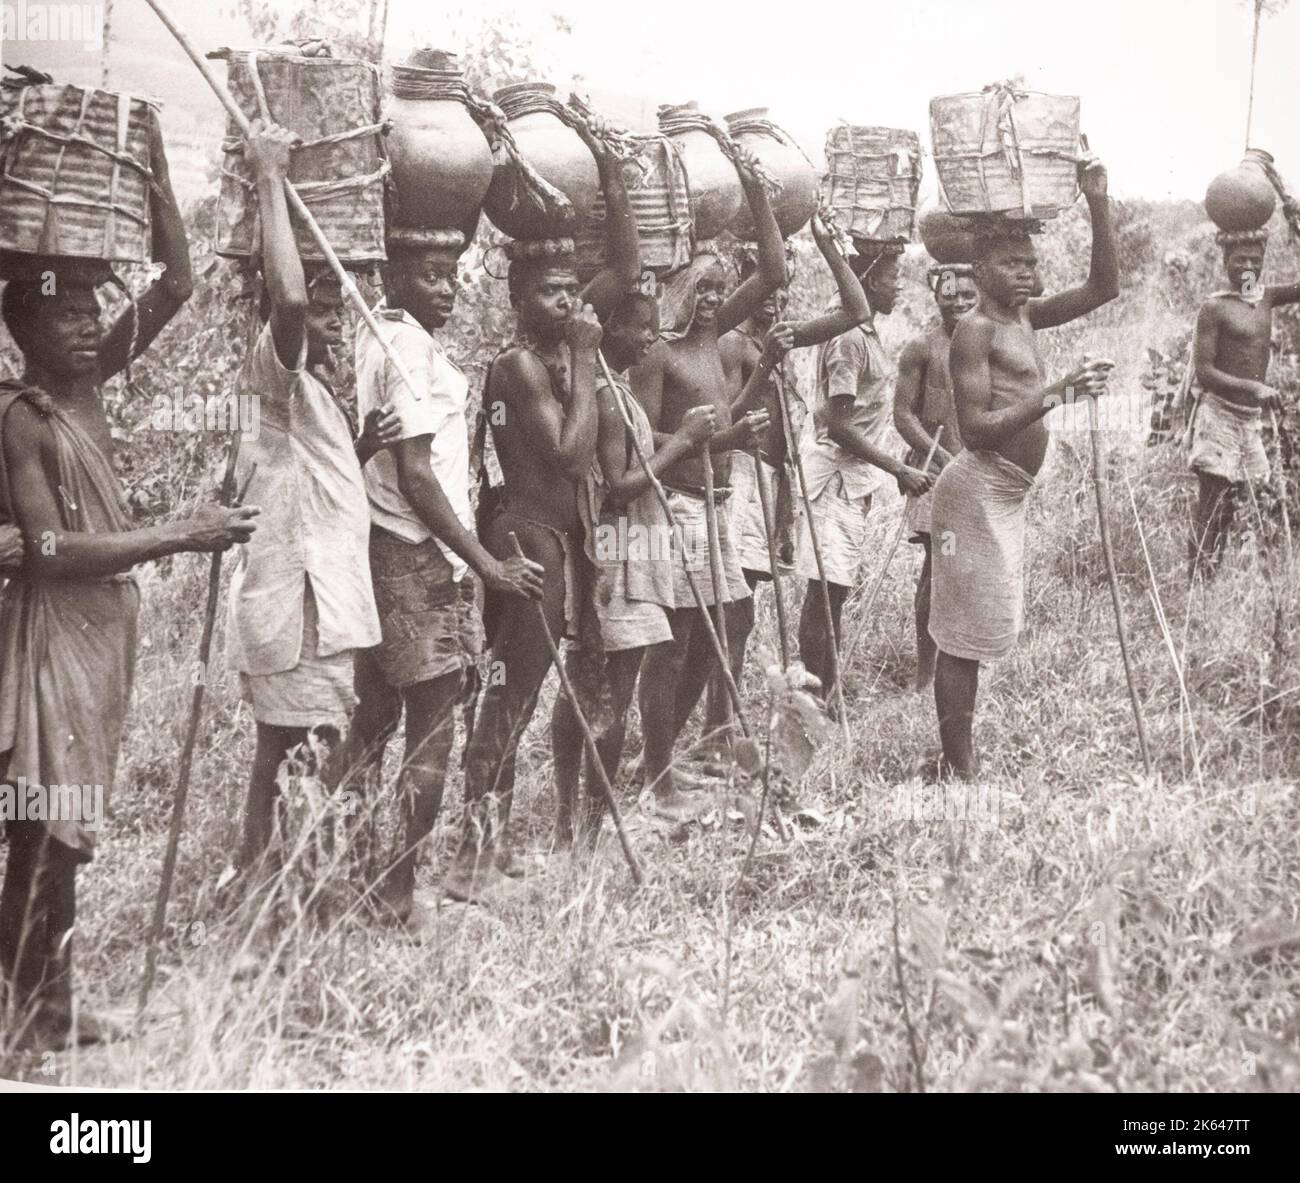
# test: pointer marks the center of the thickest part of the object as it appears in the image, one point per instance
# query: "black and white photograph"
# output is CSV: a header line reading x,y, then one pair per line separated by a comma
x,y
690,548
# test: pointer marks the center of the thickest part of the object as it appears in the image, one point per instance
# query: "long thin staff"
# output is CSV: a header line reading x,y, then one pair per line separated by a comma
x,y
589,740
769,528
1099,485
228,497
716,574
1280,480
296,203
792,448
865,614
730,682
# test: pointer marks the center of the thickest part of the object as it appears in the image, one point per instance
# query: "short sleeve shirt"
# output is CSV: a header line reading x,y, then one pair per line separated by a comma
x,y
437,408
852,365
301,471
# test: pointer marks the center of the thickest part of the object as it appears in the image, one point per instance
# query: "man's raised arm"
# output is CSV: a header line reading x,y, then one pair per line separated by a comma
x,y
745,300
124,343
1102,284
853,310
622,270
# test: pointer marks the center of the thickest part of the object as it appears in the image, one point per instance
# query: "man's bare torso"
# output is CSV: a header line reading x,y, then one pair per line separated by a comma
x,y
1244,342
693,376
533,488
1016,372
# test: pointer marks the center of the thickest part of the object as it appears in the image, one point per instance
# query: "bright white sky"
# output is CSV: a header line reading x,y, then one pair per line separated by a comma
x,y
1163,82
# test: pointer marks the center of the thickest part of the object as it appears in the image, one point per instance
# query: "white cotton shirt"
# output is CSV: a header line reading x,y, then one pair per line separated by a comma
x,y
301,470
438,408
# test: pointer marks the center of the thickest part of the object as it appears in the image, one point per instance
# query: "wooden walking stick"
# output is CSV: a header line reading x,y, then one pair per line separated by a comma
x,y
1099,485
792,447
864,615
228,497
589,740
717,576
733,690
769,528
296,204
1280,481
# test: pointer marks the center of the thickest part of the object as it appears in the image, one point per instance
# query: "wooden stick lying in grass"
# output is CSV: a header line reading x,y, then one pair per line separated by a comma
x,y
589,740
733,691
1099,486
865,614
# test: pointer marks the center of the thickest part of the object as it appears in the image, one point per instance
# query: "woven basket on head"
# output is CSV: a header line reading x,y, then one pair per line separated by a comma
x,y
1006,151
74,172
339,171
872,178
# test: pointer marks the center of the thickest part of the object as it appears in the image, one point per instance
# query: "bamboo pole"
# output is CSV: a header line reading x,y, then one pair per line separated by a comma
x,y
1280,480
898,537
732,689
792,448
717,577
296,204
1099,487
589,740
769,528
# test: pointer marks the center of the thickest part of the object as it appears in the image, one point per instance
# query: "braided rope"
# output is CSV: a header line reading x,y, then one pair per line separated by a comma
x,y
675,121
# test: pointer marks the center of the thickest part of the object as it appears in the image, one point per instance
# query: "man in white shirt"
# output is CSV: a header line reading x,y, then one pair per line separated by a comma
x,y
421,545
301,603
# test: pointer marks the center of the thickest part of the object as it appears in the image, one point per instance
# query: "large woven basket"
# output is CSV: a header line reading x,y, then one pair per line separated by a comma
x,y
1006,151
661,205
333,104
74,172
872,178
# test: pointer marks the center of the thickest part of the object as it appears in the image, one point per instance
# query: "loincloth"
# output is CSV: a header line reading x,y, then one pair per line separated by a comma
x,y
1227,441
977,532
691,542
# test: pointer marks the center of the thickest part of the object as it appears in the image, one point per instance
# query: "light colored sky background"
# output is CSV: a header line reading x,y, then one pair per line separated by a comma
x,y
1163,82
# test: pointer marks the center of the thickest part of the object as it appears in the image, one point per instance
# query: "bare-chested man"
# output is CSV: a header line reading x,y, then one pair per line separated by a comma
x,y
1002,395
1234,332
68,621
683,371
758,379
630,545
922,404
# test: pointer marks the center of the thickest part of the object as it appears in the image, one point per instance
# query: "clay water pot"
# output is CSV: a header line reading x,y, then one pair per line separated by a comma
x,y
795,205
1242,198
716,195
946,237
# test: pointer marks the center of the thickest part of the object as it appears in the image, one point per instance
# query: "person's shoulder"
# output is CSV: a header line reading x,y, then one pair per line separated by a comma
x,y
519,364
975,328
23,428
917,349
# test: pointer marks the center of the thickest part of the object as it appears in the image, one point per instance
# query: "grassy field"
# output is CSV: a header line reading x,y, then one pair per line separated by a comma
x,y
1073,923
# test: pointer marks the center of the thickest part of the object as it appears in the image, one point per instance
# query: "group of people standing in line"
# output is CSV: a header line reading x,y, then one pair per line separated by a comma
x,y
622,412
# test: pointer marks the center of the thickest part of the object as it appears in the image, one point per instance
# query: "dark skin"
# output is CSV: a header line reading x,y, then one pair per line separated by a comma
x,y
627,340
675,377
1002,395
924,359
1232,346
545,445
68,354
425,284
880,282
750,367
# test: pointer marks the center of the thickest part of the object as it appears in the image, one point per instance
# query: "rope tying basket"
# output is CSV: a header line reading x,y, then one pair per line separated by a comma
x,y
74,171
1006,150
340,168
873,176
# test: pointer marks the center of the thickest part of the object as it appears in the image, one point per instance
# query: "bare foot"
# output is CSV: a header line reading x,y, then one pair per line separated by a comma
x,y
676,805
474,877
